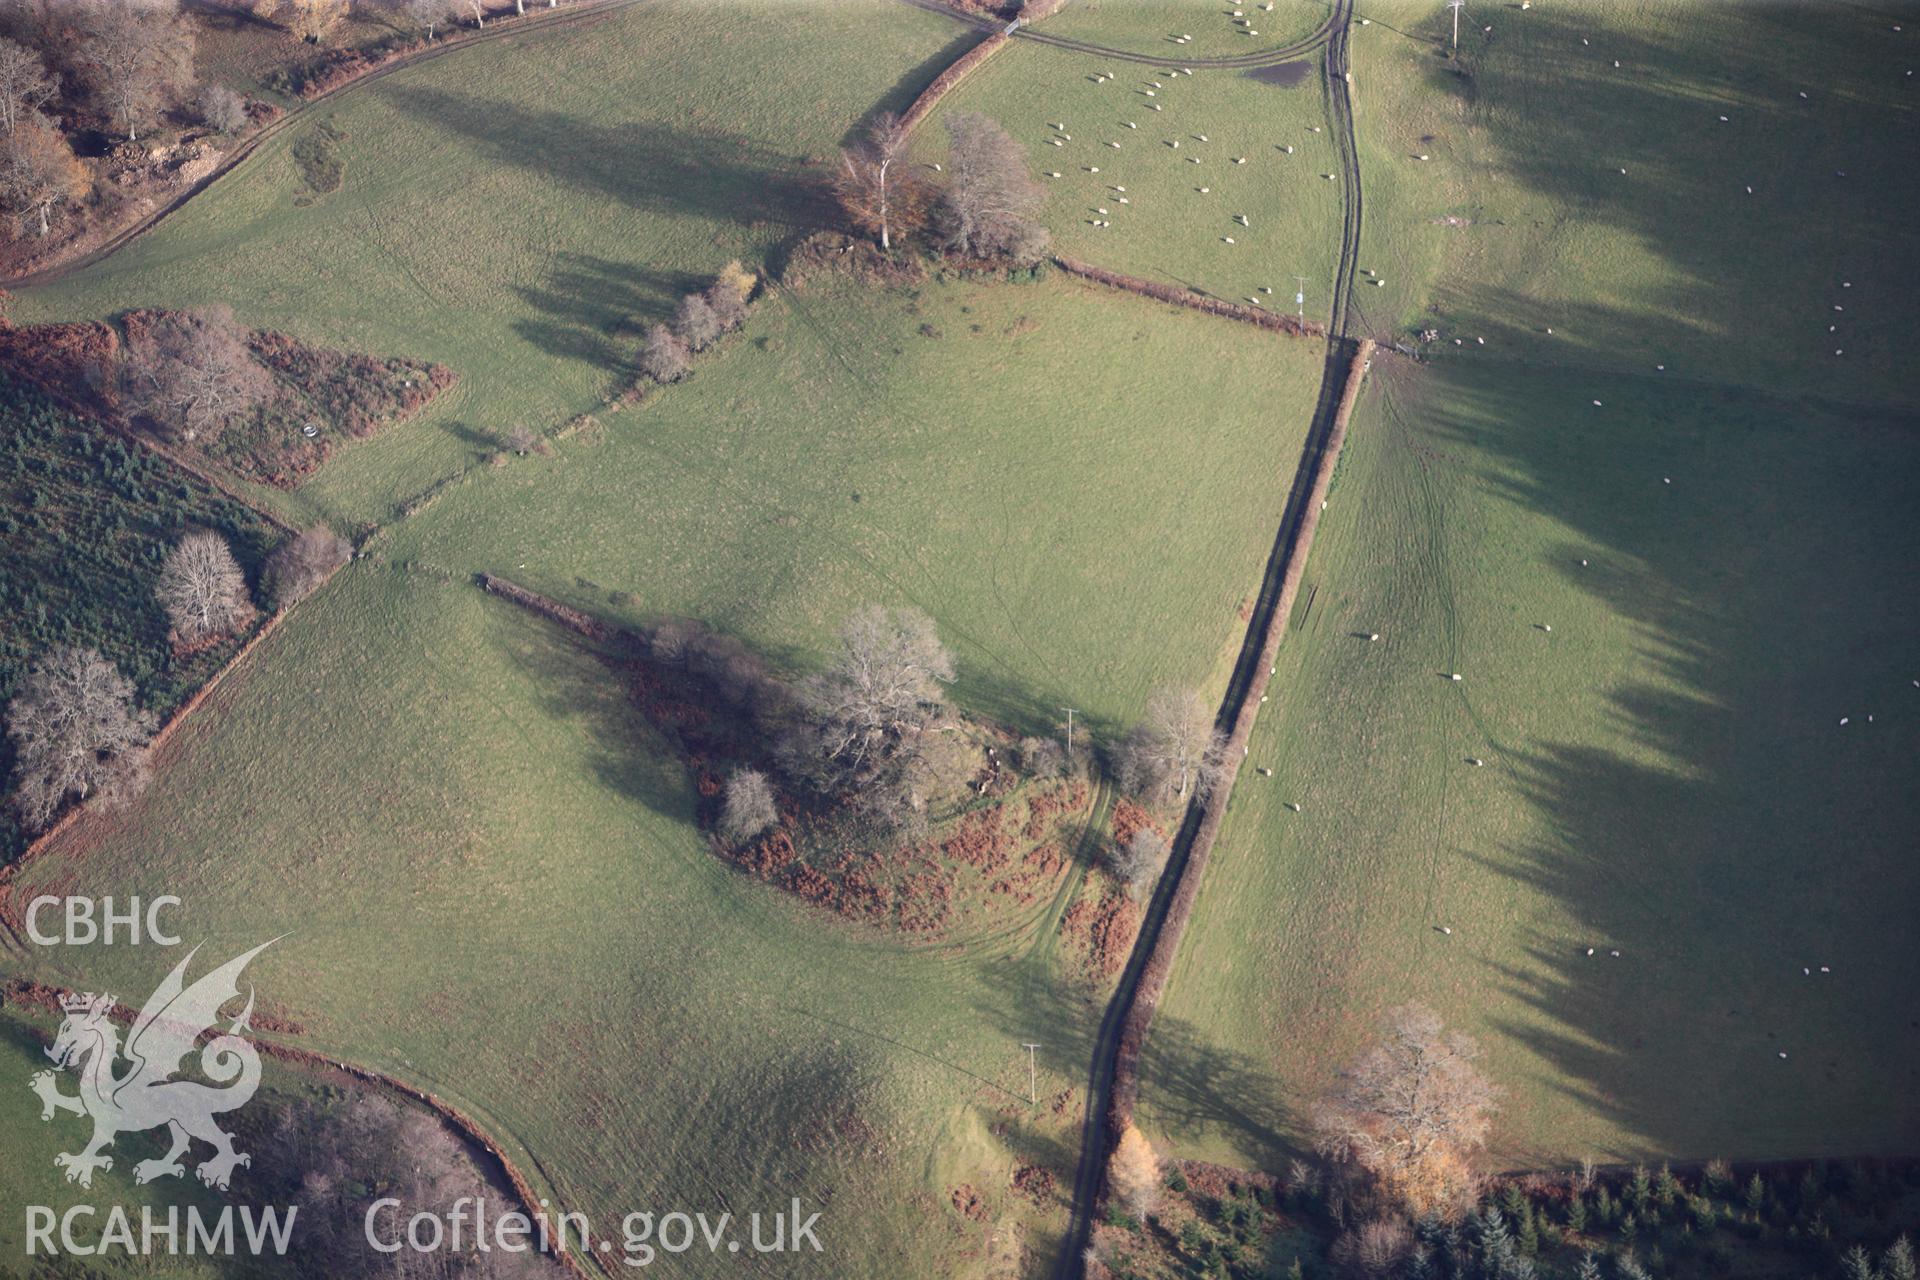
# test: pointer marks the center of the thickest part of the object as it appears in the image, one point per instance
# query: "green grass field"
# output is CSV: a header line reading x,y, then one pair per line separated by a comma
x,y
469,830
519,210
1168,230
1138,27
1666,773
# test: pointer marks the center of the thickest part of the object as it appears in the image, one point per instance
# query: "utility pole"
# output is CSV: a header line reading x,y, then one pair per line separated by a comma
x,y
1455,6
1033,1075
1069,711
1300,296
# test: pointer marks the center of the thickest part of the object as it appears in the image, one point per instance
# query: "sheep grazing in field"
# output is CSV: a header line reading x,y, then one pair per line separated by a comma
x,y
1589,950
1201,136
1844,719
1229,240
1203,190
1454,676
1313,128
1093,168
1723,120
1266,288
1783,1053
1291,805
1476,762
1193,159
1824,969
1119,188
1055,142
1153,106
1174,143
1052,125
1583,564
1264,772
1441,928
1124,200
1614,954
1547,627
1114,145
1239,159
1101,212
1596,404
1423,156
1053,175
1130,125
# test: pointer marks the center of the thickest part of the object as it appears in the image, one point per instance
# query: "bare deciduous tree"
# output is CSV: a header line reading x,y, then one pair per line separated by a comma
x,y
865,722
313,20
748,808
1411,1112
223,110
135,55
1042,757
695,323
77,734
428,14
1175,752
25,86
298,567
191,372
203,590
1375,1251
1133,1173
726,302
39,176
1138,863
992,204
877,187
663,357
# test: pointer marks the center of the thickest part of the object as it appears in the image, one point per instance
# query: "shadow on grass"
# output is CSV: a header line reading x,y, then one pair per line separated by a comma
x,y
1756,554
1759,166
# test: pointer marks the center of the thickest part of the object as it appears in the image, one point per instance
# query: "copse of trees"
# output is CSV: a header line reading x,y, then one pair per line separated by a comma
x,y
991,205
191,372
869,729
988,206
699,320
77,735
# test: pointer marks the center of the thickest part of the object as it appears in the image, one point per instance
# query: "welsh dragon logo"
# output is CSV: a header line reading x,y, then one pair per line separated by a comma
x,y
145,1096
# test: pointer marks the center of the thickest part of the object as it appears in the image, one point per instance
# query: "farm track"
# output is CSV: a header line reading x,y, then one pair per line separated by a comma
x,y
1103,1075
503,29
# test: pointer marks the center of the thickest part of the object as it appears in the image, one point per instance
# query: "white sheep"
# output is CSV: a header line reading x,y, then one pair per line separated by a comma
x,y
1372,636
1454,676
1291,805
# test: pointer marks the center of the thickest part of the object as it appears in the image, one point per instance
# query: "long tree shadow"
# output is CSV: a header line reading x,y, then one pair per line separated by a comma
x,y
648,166
1749,148
1741,834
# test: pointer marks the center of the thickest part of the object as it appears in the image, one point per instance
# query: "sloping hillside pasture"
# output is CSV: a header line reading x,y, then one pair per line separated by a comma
x,y
1168,231
491,869
519,210
1673,262
1666,774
